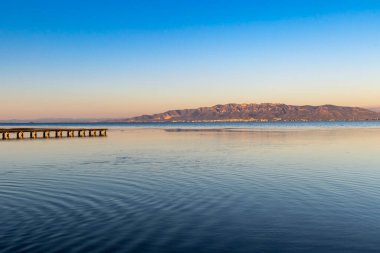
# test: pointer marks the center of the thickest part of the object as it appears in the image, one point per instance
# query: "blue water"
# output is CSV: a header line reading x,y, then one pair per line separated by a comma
x,y
272,187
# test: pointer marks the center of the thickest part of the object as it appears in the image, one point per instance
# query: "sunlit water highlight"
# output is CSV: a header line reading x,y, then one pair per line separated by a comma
x,y
288,189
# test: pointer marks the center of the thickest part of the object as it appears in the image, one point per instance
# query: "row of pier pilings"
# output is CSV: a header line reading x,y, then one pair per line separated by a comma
x,y
6,134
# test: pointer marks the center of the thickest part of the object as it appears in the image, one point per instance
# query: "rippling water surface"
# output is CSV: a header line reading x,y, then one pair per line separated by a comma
x,y
311,189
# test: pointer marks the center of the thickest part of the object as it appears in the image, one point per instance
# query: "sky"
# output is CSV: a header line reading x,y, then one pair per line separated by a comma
x,y
111,59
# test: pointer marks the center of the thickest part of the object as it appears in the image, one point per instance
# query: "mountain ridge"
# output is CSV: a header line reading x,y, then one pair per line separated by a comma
x,y
375,109
260,112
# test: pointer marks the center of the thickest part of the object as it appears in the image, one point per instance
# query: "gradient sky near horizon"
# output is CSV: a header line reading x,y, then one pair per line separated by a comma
x,y
106,59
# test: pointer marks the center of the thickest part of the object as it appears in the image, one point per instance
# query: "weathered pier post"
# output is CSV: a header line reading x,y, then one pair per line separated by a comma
x,y
58,134
5,135
20,135
81,133
46,134
33,135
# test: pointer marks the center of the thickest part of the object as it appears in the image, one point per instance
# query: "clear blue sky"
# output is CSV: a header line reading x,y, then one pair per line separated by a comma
x,y
125,58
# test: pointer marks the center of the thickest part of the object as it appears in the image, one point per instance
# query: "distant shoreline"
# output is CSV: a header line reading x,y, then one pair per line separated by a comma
x,y
240,121
183,122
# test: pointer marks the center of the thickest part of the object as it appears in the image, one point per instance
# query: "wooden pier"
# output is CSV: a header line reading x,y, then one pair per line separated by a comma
x,y
34,133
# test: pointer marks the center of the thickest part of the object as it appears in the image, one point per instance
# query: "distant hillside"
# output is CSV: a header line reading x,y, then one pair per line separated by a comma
x,y
375,109
261,112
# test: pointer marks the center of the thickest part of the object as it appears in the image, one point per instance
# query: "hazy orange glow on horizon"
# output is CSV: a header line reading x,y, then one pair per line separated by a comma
x,y
119,106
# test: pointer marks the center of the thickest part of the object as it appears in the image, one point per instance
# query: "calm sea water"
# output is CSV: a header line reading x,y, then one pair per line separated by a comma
x,y
275,187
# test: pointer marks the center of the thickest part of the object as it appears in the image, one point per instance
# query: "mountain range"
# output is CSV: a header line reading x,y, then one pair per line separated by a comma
x,y
261,112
